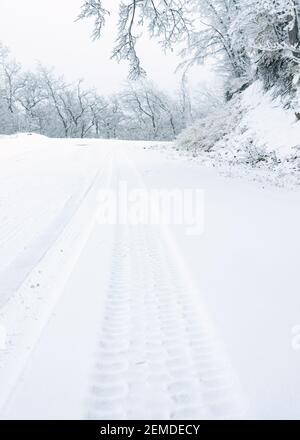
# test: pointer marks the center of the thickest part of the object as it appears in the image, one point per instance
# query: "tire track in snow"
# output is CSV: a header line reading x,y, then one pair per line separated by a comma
x,y
157,356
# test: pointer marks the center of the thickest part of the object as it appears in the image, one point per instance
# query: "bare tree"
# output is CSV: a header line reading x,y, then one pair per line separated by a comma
x,y
154,115
31,94
56,89
186,104
10,70
169,20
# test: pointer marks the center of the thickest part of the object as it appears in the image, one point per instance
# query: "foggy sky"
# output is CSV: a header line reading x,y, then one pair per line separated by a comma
x,y
46,31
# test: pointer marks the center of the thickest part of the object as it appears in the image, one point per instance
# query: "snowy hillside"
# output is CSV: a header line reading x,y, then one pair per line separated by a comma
x,y
254,131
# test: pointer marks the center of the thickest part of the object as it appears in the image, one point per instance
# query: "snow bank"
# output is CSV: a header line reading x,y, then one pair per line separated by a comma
x,y
11,144
22,136
253,128
271,126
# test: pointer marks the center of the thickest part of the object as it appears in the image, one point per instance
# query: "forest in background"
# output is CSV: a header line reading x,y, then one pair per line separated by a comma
x,y
42,102
244,42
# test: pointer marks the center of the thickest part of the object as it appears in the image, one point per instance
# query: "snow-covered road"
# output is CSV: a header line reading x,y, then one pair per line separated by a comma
x,y
141,321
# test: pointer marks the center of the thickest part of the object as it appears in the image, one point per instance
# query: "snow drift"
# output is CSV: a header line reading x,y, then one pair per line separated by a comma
x,y
254,128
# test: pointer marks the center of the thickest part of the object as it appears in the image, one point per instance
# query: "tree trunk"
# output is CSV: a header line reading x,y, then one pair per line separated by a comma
x,y
294,33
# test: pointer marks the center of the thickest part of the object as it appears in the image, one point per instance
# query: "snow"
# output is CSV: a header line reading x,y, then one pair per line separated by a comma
x,y
143,321
252,135
274,128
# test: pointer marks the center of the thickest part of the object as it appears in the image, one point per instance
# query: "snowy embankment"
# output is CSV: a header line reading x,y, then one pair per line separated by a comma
x,y
45,218
142,321
253,134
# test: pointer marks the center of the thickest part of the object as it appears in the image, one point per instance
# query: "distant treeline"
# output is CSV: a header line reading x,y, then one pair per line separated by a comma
x,y
40,101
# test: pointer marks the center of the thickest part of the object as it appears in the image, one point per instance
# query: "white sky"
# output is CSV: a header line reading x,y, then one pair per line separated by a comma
x,y
46,31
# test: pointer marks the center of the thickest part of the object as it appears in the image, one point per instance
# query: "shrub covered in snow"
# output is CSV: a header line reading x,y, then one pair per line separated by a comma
x,y
206,132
